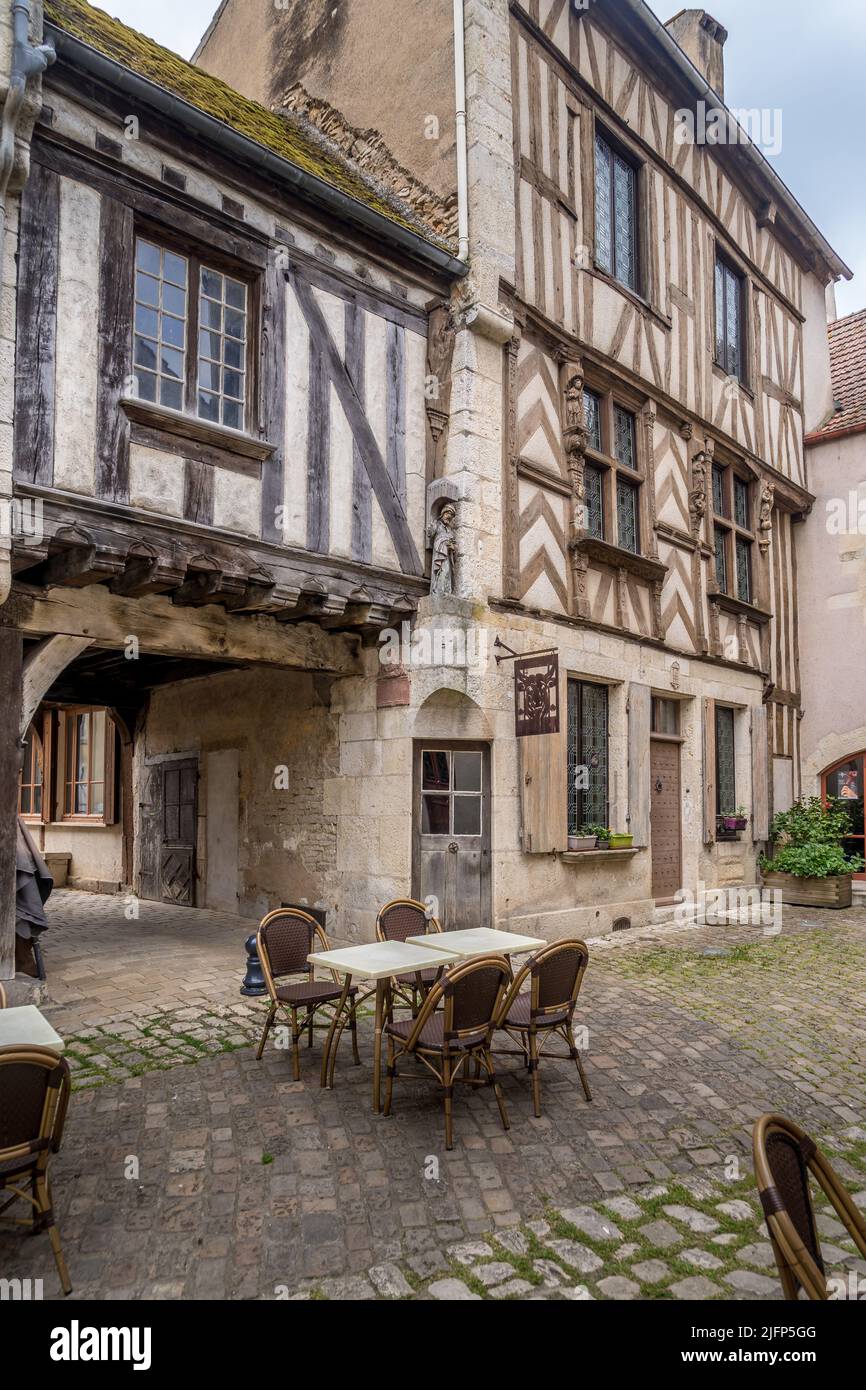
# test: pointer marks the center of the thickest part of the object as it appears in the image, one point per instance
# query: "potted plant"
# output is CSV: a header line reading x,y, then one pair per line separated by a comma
x,y
620,841
599,833
809,865
736,823
585,839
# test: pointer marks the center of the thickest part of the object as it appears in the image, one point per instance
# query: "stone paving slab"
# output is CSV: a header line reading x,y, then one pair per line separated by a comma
x,y
189,1170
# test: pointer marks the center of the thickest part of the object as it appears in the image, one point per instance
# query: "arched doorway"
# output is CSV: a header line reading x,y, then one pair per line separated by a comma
x,y
846,780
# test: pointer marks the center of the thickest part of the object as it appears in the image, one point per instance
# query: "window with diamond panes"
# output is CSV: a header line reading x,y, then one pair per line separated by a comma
x,y
594,500
626,515
719,503
160,324
721,559
587,755
222,344
726,782
592,416
623,437
615,214
744,570
729,316
741,503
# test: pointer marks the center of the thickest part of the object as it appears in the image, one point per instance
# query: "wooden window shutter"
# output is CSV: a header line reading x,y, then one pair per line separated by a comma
x,y
709,786
639,794
543,773
110,802
760,774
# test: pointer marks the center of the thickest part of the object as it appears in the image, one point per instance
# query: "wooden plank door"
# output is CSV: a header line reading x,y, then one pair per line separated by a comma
x,y
666,819
451,831
179,821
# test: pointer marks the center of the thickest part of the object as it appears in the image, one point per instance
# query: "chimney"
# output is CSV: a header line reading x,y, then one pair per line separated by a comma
x,y
702,39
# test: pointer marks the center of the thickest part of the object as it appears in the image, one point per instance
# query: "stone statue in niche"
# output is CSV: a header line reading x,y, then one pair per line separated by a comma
x,y
442,541
574,402
765,515
698,493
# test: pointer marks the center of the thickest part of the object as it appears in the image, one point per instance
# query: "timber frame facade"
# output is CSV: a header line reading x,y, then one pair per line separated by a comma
x,y
625,461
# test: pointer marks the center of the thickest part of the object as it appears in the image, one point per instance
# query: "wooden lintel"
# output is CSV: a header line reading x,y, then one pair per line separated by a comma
x,y
107,620
78,566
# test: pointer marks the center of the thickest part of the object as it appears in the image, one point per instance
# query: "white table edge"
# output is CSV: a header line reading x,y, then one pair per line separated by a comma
x,y
521,943
326,961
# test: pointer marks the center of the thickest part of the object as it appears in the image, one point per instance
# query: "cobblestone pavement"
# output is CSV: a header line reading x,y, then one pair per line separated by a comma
x,y
190,1170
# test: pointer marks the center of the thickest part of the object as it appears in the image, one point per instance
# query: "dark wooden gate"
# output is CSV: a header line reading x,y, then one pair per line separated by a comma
x,y
179,819
451,831
666,828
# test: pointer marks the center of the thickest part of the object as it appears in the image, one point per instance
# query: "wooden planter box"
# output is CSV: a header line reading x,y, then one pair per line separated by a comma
x,y
834,891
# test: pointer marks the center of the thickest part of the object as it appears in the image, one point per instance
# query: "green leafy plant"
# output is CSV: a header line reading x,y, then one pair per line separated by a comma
x,y
808,840
601,832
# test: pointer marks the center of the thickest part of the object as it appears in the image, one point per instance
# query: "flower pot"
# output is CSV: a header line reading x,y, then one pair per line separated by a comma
x,y
621,841
601,844
832,891
577,843
734,822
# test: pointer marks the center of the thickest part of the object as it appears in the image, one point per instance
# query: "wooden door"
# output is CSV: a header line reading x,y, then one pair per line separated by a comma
x,y
179,820
666,818
451,831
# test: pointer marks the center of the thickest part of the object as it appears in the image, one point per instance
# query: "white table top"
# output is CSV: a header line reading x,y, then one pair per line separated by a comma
x,y
478,941
26,1025
378,959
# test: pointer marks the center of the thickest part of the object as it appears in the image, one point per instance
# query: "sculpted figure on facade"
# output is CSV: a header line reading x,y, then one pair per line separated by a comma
x,y
444,546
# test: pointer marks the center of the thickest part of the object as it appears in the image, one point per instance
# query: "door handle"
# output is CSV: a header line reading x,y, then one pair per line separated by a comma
x,y
659,784
453,847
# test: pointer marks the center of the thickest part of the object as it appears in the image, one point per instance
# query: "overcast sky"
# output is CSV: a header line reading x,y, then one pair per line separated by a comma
x,y
805,59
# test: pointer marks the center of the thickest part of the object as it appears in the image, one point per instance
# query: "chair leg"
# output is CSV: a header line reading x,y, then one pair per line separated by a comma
x,y
310,1028
447,1082
53,1235
390,1070
497,1089
353,1024
296,1046
576,1056
533,1068
272,1013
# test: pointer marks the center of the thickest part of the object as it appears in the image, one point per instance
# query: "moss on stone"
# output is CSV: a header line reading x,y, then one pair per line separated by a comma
x,y
215,98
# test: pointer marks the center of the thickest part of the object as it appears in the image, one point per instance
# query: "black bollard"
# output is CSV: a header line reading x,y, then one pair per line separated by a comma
x,y
254,980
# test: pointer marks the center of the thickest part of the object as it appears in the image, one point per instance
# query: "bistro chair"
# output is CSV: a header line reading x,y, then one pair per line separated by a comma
x,y
397,920
34,1094
785,1157
446,1041
532,1017
2,996
285,939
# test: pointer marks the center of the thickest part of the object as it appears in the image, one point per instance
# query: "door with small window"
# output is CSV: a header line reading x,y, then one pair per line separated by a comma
x,y
451,832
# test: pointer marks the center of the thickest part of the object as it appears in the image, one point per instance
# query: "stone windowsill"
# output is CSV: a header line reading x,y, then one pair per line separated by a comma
x,y
577,856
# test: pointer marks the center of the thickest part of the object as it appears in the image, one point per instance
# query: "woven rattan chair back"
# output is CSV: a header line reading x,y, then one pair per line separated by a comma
x,y
402,918
785,1159
285,939
2,997
473,994
34,1094
557,973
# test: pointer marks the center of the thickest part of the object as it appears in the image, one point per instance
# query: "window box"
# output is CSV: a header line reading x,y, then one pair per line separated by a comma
x,y
832,891
579,844
620,841
613,856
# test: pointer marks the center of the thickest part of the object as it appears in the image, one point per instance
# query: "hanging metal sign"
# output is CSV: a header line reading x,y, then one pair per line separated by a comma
x,y
536,695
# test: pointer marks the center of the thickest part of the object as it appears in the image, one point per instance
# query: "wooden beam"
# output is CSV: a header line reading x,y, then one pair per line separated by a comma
x,y
78,564
10,748
108,619
42,666
116,255
37,327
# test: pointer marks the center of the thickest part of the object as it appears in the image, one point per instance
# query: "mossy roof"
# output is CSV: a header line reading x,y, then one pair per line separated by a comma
x,y
215,98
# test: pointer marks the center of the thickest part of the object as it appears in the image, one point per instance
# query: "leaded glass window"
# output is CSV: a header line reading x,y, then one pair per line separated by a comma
x,y
741,503
615,214
592,415
720,538
744,570
623,442
719,506
726,782
594,501
626,515
729,334
587,755
160,324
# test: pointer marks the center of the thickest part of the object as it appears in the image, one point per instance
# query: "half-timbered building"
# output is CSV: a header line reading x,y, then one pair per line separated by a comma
x,y
639,351
315,420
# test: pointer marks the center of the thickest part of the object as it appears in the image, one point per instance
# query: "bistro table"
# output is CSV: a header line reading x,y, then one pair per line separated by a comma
x,y
25,1026
479,941
379,961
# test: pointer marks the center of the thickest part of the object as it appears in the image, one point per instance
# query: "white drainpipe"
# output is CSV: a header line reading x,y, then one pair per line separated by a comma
x,y
460,122
27,61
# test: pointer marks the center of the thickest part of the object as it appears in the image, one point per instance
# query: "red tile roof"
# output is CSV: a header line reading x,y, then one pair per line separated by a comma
x,y
848,369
